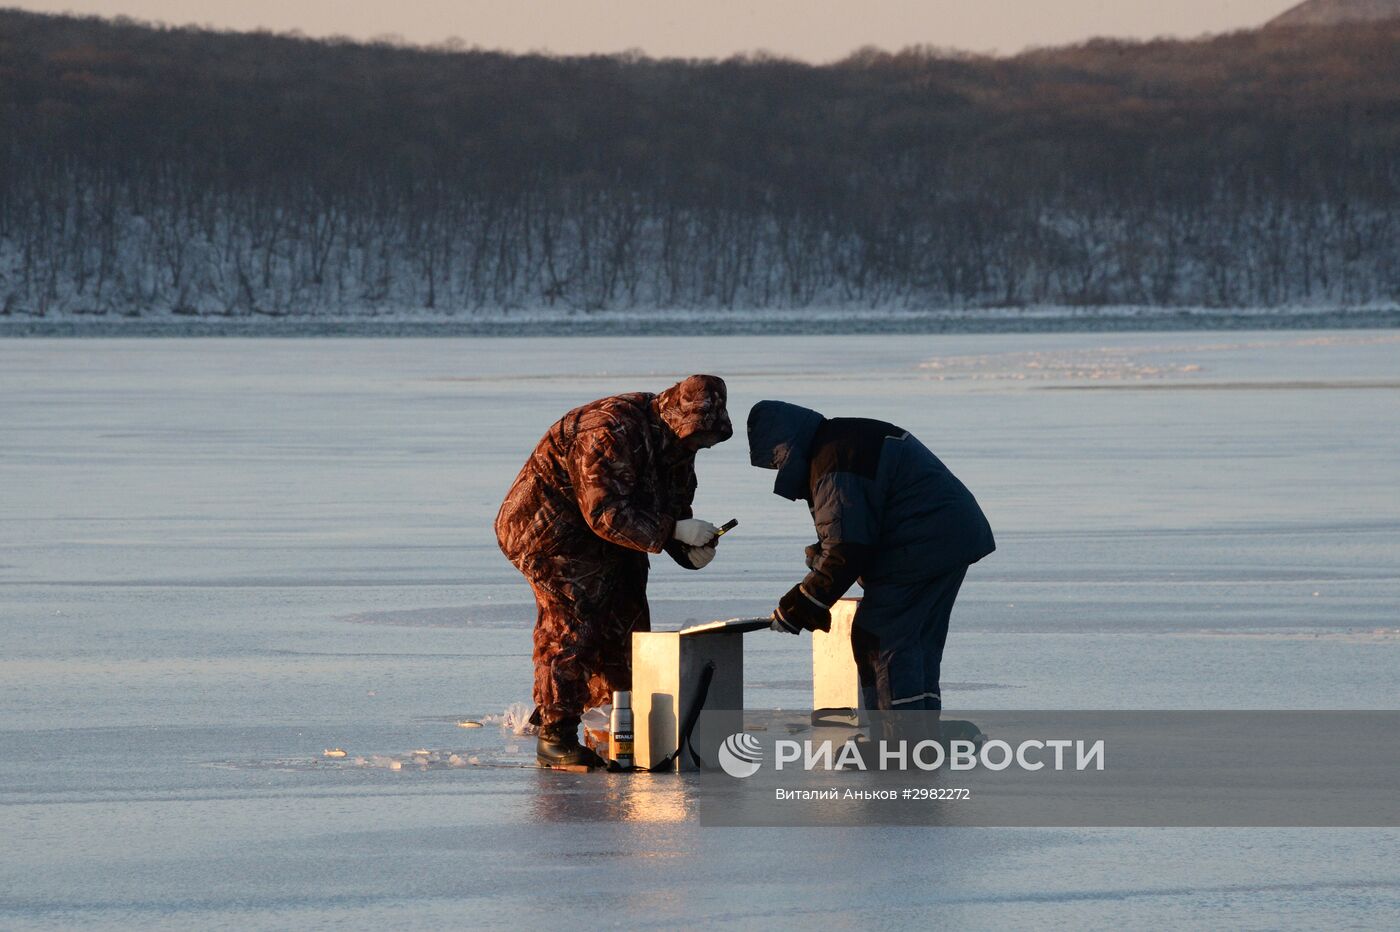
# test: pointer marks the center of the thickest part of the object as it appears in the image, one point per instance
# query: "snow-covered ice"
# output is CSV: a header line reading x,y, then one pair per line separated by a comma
x,y
219,558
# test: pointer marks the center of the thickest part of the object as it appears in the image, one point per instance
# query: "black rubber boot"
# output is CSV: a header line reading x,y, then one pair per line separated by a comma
x,y
558,746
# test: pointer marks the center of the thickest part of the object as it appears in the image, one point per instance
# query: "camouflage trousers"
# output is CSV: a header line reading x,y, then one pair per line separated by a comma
x,y
583,638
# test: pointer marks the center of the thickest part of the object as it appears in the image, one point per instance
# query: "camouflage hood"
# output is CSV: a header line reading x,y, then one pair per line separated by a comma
x,y
696,404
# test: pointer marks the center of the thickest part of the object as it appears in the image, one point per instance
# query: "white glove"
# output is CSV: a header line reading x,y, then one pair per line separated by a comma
x,y
700,557
694,533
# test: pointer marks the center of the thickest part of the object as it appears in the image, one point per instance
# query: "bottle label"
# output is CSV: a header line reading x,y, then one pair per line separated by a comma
x,y
622,747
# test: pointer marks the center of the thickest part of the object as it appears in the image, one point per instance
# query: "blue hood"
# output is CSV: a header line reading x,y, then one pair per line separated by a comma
x,y
780,436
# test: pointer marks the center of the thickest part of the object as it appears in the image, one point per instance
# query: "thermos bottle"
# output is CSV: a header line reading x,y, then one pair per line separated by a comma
x,y
620,728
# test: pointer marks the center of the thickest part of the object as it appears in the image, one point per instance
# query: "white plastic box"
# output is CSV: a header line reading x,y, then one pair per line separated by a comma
x,y
667,670
835,682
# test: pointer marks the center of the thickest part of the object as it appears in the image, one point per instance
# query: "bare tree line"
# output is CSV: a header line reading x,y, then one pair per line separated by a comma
x,y
156,171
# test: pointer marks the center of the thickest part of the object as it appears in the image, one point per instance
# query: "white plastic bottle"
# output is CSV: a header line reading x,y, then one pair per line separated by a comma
x,y
620,730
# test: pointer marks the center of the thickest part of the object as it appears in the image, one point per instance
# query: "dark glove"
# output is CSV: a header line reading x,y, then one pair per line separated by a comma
x,y
798,611
813,551
780,625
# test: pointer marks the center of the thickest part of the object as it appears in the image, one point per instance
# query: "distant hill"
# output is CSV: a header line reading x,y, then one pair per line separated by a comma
x,y
1335,12
172,174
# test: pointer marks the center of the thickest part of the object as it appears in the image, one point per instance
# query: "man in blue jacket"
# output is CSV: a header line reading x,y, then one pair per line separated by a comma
x,y
889,513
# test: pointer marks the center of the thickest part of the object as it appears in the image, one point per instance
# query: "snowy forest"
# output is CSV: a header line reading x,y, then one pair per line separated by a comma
x,y
158,171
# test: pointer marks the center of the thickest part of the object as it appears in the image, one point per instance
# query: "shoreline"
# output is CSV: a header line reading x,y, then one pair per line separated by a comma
x,y
692,323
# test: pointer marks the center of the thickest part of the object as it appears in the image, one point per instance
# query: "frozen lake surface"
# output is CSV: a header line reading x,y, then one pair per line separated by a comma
x,y
220,557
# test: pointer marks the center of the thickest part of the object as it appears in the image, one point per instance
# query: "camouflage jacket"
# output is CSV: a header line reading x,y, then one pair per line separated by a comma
x,y
609,478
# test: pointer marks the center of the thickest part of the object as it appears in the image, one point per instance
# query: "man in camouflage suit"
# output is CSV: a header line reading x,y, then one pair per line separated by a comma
x,y
609,483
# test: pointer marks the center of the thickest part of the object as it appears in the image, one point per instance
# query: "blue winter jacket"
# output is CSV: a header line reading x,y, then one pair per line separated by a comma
x,y
885,508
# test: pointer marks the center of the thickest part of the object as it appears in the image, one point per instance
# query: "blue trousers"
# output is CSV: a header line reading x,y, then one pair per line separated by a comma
x,y
898,638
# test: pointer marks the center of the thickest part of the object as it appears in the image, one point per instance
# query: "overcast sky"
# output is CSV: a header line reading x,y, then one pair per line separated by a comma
x,y
815,30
